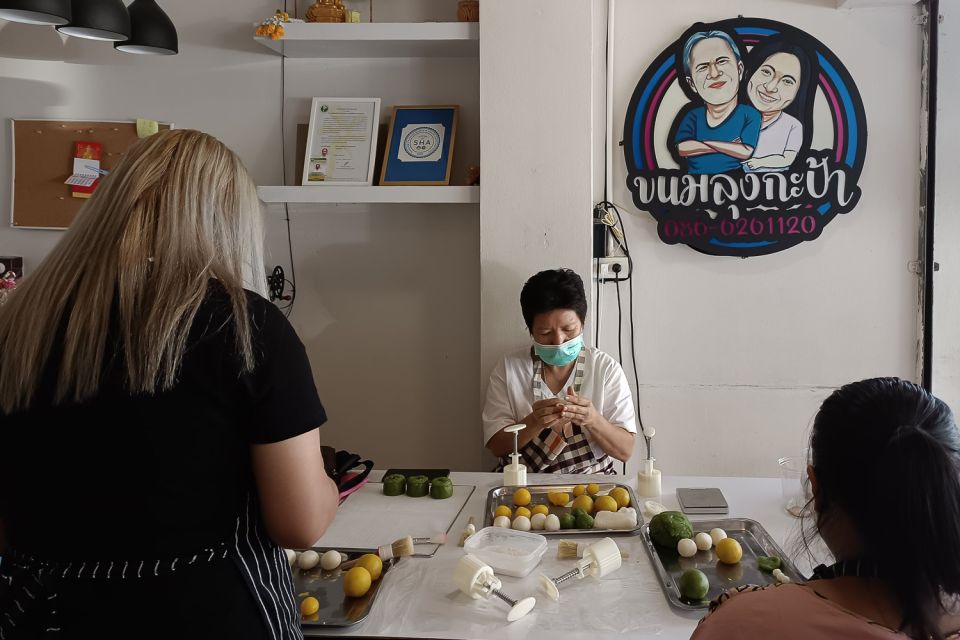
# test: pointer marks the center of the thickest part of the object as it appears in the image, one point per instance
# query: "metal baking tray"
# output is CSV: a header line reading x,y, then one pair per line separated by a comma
x,y
754,540
336,609
538,492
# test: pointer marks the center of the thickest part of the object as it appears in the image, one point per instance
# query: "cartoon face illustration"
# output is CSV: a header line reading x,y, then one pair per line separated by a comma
x,y
775,84
714,70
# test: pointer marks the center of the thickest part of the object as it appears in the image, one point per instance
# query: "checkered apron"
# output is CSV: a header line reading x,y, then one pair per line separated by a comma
x,y
549,452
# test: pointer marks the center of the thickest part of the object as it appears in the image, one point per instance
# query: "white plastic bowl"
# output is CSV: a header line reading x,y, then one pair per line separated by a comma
x,y
507,551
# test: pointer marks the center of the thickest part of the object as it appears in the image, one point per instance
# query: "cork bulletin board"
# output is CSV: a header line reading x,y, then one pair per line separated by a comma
x,y
43,158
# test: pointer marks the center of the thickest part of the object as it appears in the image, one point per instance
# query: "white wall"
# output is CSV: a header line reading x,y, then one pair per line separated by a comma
x,y
946,295
736,355
388,301
540,137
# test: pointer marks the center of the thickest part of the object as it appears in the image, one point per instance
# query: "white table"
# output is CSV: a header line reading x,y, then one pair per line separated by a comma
x,y
418,598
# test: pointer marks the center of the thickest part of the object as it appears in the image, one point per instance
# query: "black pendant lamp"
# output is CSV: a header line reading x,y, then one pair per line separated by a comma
x,y
152,31
50,12
98,20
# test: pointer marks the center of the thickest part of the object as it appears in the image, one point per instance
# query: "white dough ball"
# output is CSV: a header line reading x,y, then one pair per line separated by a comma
x,y
502,521
291,556
687,548
521,523
537,521
717,535
308,560
552,523
704,541
330,560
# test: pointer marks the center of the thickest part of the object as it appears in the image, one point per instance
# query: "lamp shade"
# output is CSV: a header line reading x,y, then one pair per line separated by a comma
x,y
152,31
98,20
52,12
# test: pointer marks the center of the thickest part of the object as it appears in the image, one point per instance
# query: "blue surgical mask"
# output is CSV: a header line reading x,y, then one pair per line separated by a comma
x,y
559,355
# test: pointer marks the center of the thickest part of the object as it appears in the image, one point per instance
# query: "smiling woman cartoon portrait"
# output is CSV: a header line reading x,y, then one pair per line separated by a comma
x,y
777,83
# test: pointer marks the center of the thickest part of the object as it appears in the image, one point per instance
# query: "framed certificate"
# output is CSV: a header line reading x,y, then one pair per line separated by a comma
x,y
342,141
420,145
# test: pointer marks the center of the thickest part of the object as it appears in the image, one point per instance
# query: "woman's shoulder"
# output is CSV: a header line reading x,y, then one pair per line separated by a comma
x,y
745,606
602,361
784,610
790,120
260,311
522,357
215,320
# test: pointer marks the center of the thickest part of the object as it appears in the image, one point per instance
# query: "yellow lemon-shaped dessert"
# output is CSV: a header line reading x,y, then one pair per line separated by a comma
x,y
521,497
372,563
605,503
503,510
558,499
309,606
585,503
622,496
729,551
357,582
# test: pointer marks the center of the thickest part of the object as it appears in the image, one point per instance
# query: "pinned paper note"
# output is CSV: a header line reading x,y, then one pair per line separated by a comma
x,y
146,128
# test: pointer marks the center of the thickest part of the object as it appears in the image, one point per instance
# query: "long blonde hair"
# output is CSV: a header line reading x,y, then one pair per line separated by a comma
x,y
179,209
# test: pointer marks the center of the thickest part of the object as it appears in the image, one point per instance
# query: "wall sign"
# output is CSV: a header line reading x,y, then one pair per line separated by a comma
x,y
744,137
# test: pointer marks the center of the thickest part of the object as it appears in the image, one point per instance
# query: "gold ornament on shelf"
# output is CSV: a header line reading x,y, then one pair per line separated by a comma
x,y
326,11
468,11
272,27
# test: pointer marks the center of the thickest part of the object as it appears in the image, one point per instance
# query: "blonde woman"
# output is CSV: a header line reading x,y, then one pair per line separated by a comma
x,y
158,418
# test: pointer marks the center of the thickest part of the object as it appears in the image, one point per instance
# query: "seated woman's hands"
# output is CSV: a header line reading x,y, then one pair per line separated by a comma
x,y
579,410
546,414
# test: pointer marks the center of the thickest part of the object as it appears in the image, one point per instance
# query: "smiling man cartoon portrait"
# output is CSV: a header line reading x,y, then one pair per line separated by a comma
x,y
720,135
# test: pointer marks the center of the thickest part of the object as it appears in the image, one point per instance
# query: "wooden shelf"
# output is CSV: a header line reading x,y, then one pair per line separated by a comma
x,y
378,40
370,195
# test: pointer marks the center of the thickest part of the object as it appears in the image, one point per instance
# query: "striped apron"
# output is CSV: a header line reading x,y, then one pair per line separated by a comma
x,y
30,586
549,452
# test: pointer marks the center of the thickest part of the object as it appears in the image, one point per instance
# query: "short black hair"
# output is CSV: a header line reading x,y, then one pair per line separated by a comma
x,y
553,289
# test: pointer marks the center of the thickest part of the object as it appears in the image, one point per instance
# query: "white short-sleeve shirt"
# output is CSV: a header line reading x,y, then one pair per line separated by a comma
x,y
510,392
784,134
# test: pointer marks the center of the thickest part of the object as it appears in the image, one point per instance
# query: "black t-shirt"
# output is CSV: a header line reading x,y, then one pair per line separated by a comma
x,y
124,476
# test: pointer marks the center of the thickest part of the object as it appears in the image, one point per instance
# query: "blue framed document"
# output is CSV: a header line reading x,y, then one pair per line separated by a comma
x,y
420,145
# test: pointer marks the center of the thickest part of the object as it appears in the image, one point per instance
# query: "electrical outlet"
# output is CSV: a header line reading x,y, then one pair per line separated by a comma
x,y
615,269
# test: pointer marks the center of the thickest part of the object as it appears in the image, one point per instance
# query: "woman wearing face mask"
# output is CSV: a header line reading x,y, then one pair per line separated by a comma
x,y
778,87
574,399
885,477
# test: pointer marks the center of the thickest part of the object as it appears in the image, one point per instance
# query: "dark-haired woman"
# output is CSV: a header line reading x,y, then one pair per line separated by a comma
x,y
778,82
885,475
574,399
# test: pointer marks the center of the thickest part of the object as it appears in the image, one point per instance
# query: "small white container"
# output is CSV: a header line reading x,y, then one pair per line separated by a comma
x,y
507,551
648,480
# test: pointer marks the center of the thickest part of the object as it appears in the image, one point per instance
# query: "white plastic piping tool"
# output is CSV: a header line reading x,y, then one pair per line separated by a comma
x,y
599,559
515,474
648,433
477,580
